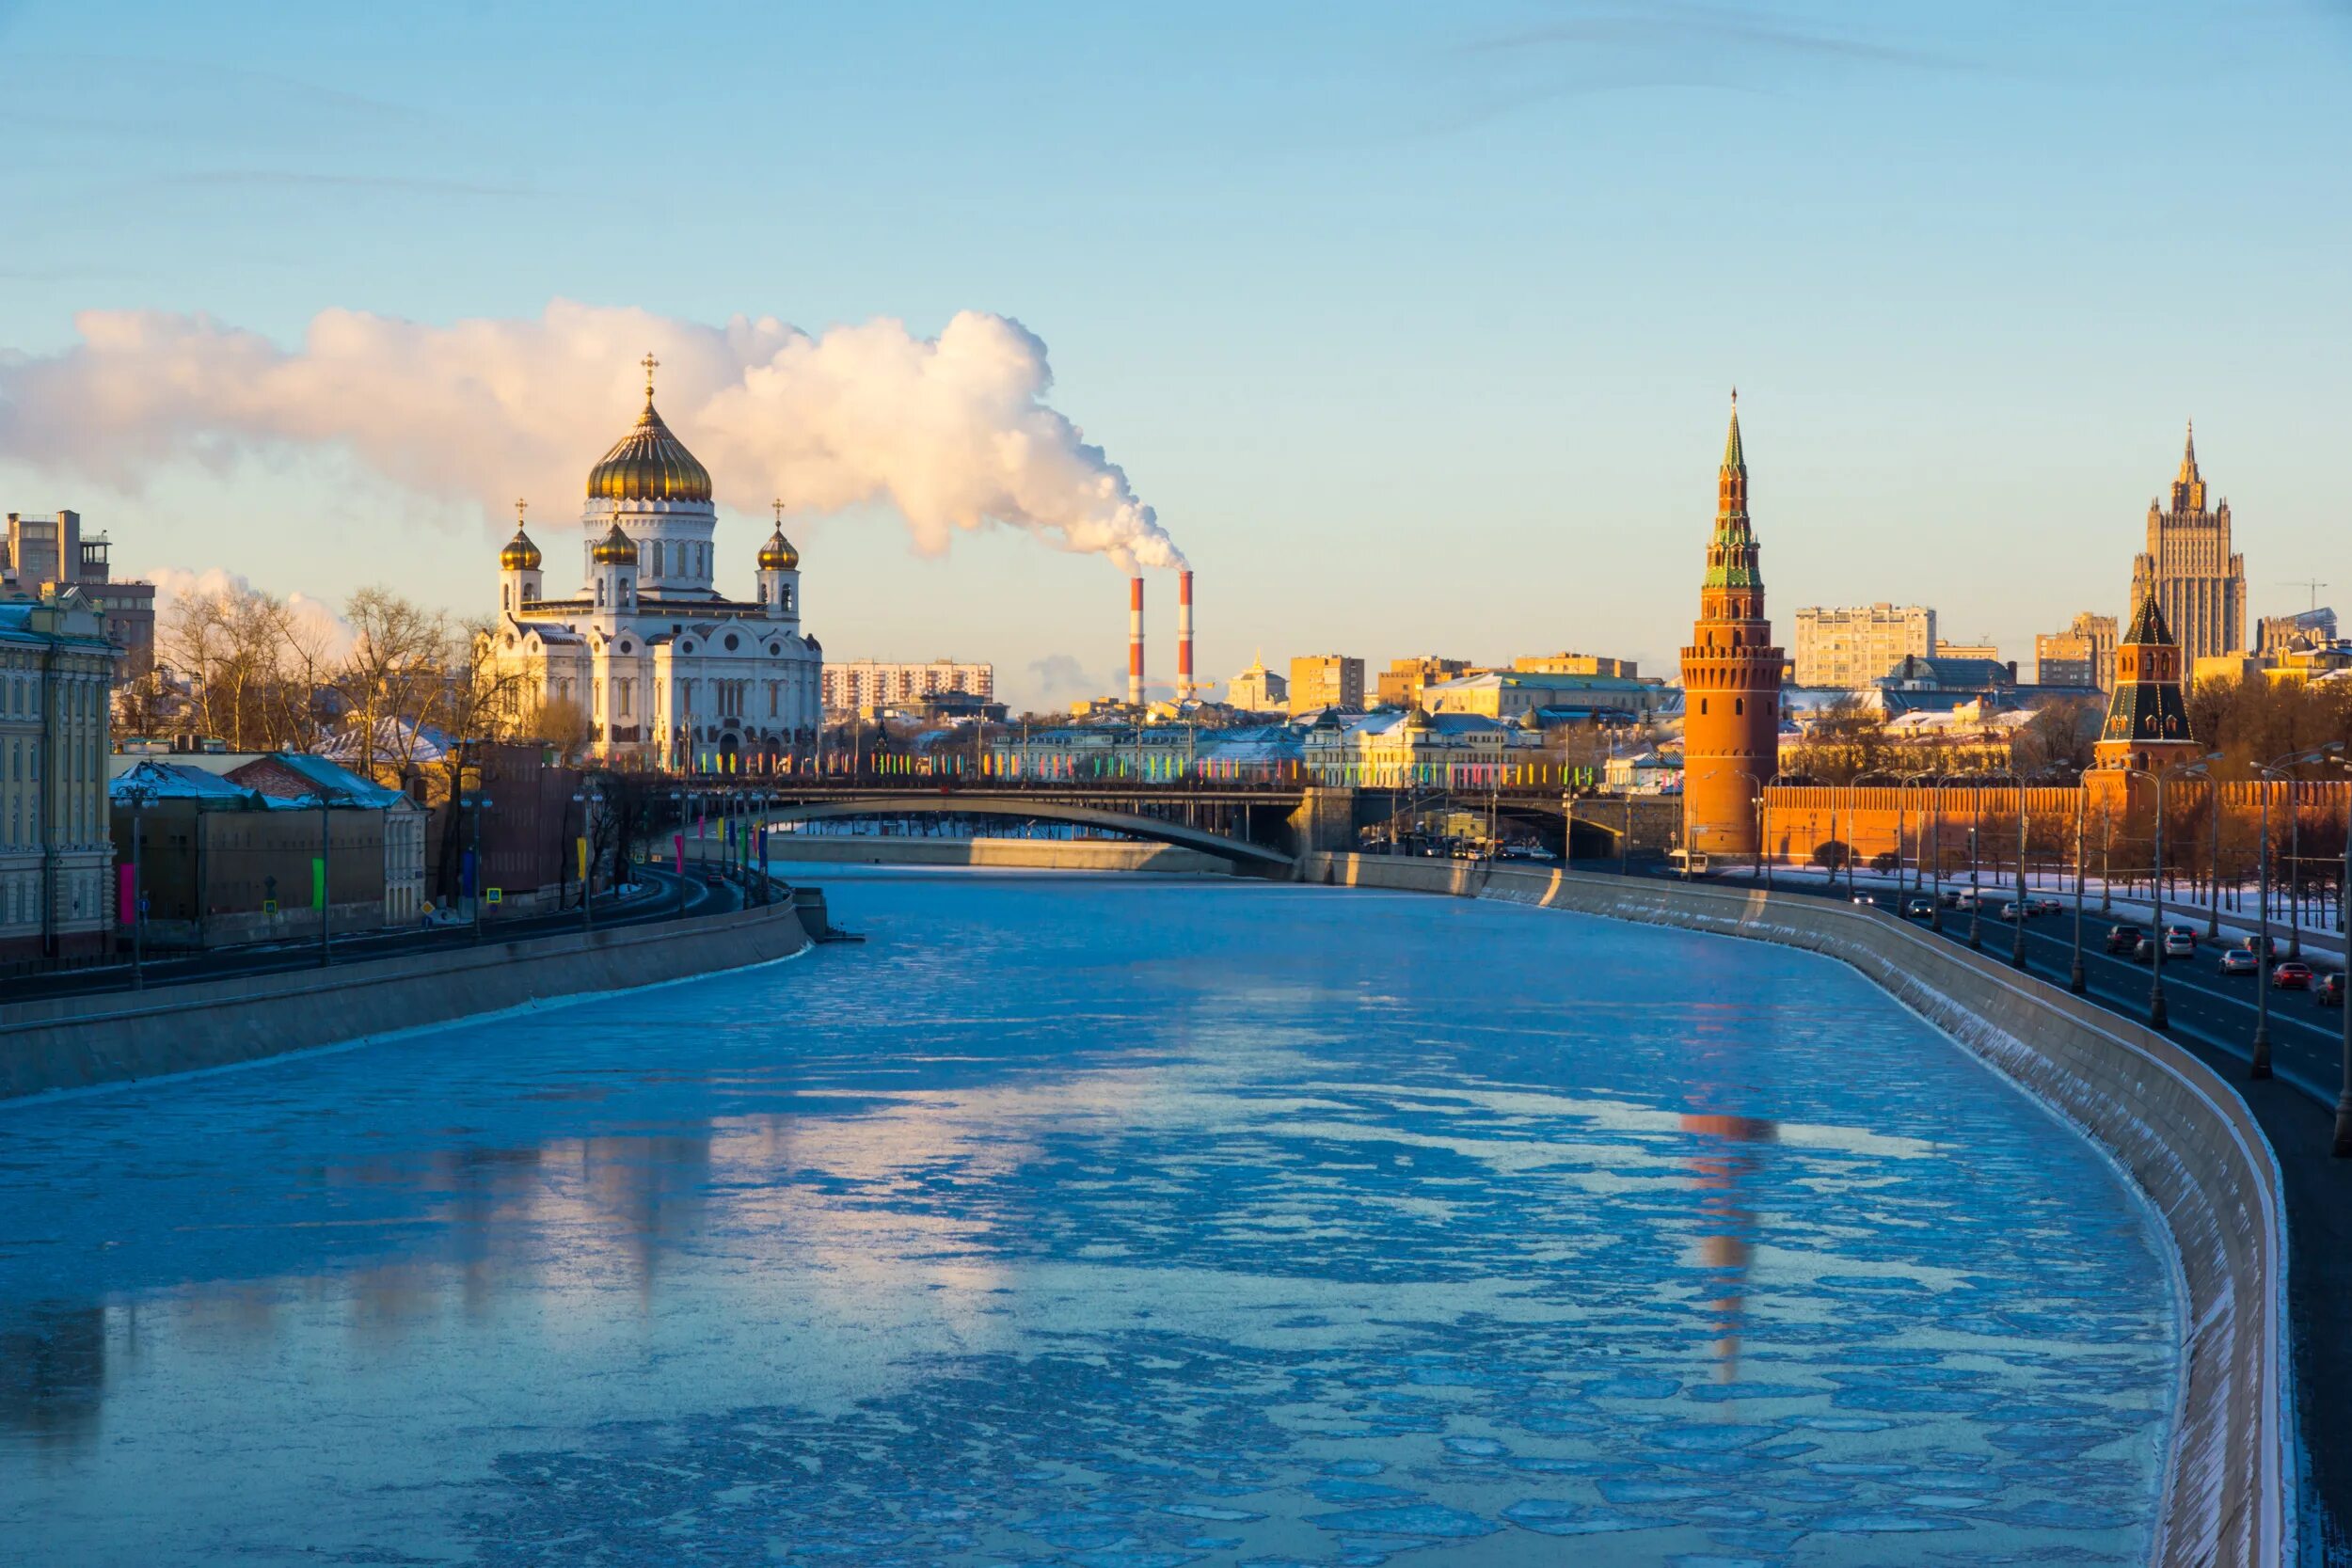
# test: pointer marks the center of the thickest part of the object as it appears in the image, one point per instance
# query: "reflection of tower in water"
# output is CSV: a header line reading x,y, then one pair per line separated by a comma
x,y
1721,1164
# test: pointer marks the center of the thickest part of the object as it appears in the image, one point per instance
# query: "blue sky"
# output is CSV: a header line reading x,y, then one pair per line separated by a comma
x,y
1414,323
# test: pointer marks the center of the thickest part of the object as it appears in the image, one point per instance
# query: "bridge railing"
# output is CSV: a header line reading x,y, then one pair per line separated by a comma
x,y
1139,769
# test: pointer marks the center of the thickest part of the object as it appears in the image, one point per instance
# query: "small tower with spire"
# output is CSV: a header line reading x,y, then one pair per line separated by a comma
x,y
518,567
780,575
1731,677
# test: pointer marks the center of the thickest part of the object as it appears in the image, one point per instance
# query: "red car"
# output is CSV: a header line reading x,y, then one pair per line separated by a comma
x,y
2291,976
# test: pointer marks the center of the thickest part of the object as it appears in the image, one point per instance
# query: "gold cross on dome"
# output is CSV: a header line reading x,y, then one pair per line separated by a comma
x,y
778,505
651,364
520,507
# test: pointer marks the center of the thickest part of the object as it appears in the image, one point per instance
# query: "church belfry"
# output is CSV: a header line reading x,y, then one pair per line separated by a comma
x,y
1731,677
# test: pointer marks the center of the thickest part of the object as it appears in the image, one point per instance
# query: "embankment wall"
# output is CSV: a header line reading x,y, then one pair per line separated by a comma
x,y
1038,853
75,1042
2175,1126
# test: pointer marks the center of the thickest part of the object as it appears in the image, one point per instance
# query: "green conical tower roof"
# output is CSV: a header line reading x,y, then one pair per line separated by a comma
x,y
1733,457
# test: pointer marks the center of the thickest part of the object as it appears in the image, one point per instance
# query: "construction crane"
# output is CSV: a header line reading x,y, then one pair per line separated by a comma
x,y
2306,582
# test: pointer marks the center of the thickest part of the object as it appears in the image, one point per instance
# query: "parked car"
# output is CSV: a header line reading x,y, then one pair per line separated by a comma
x,y
2240,960
2291,976
2122,939
2329,991
2179,943
1920,908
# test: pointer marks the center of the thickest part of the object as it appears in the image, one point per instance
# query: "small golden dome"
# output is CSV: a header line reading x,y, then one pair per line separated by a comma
x,y
616,548
649,464
777,554
521,554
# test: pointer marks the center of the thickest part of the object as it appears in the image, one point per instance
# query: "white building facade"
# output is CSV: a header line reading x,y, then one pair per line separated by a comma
x,y
1854,646
665,672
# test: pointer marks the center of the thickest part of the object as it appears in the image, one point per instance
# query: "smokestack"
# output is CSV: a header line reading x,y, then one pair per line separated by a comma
x,y
1184,634
1135,641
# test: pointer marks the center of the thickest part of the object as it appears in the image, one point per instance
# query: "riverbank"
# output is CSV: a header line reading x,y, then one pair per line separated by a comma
x,y
81,1041
1040,854
2180,1131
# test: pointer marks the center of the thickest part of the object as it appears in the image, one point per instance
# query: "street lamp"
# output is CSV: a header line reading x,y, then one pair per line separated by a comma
x,y
474,805
586,795
2158,1018
2075,980
140,795
2343,1095
677,799
327,799
2294,839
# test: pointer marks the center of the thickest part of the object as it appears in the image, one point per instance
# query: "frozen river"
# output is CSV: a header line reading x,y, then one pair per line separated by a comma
x,y
1099,1223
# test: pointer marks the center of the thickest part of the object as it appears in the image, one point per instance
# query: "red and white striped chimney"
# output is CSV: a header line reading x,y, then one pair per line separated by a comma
x,y
1135,641
1184,634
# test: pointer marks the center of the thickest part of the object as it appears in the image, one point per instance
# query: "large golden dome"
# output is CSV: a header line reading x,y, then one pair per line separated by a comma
x,y
777,554
649,464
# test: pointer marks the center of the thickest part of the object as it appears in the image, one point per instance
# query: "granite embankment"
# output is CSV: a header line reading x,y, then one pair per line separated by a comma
x,y
75,1042
2180,1131
1041,854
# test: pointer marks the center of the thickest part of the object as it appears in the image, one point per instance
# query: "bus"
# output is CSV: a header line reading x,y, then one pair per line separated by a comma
x,y
1688,862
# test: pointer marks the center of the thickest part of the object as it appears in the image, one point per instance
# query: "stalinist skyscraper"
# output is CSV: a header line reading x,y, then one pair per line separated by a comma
x,y
2188,566
1730,678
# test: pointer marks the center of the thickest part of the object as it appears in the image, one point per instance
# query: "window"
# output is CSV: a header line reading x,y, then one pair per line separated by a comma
x,y
655,567
625,692
1739,707
1702,707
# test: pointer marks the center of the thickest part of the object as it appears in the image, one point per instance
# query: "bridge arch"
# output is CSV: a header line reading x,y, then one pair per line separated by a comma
x,y
1244,855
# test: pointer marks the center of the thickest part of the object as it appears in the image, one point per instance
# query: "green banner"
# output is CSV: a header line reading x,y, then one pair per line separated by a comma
x,y
318,882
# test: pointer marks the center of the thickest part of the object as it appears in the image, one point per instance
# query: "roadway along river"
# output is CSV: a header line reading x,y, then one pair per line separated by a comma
x,y
1097,1222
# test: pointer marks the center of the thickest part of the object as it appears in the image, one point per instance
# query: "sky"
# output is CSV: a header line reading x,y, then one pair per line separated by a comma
x,y
1412,326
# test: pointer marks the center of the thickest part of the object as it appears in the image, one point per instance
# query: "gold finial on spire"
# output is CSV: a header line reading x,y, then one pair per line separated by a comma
x,y
651,364
1735,397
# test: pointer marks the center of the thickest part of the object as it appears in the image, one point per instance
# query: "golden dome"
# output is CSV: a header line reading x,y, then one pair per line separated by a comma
x,y
649,464
521,554
777,554
615,549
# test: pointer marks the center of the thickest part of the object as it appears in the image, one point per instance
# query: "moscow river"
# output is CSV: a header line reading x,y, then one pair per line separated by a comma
x,y
1100,1222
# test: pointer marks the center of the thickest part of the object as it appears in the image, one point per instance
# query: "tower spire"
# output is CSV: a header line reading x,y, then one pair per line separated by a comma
x,y
2189,456
651,364
1732,456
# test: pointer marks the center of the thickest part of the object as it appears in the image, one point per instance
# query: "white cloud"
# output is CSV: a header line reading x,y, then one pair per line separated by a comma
x,y
951,431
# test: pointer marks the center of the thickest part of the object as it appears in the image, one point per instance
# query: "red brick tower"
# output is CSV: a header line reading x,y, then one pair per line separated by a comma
x,y
1730,679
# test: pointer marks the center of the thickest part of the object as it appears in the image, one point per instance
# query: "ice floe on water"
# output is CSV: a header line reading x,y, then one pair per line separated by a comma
x,y
1105,1224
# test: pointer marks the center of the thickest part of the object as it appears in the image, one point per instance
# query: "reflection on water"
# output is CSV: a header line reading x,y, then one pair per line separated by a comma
x,y
1085,1222
1727,1229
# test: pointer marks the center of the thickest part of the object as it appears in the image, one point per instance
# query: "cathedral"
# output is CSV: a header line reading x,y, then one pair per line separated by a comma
x,y
664,671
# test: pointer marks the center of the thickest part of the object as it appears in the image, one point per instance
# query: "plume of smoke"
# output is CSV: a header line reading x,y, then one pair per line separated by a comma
x,y
951,431
318,622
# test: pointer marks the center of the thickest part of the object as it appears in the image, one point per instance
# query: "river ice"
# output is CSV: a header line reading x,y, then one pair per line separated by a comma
x,y
1096,1222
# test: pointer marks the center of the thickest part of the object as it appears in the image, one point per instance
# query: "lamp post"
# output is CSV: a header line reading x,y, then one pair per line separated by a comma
x,y
1935,841
2159,1017
2295,845
327,799
1975,888
586,795
2018,916
474,805
677,799
2075,980
1918,870
140,797
2344,1096
2260,1066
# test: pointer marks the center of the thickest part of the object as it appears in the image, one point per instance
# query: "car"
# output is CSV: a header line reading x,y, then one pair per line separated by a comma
x,y
1920,908
2239,960
2291,976
2188,931
2047,905
1866,898
2143,949
2014,913
2261,946
1950,898
2329,991
2122,939
2179,944
714,878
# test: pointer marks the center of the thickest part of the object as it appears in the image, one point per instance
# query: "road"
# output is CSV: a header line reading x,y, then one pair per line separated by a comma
x,y
656,898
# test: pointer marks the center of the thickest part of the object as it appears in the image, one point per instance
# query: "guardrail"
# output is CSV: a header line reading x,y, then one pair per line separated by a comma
x,y
2184,1136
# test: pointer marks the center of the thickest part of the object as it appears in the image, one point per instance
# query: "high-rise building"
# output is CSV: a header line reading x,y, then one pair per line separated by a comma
x,y
1852,647
1257,690
2082,655
1984,648
866,683
2146,725
1401,683
1730,678
1326,680
43,551
2188,566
